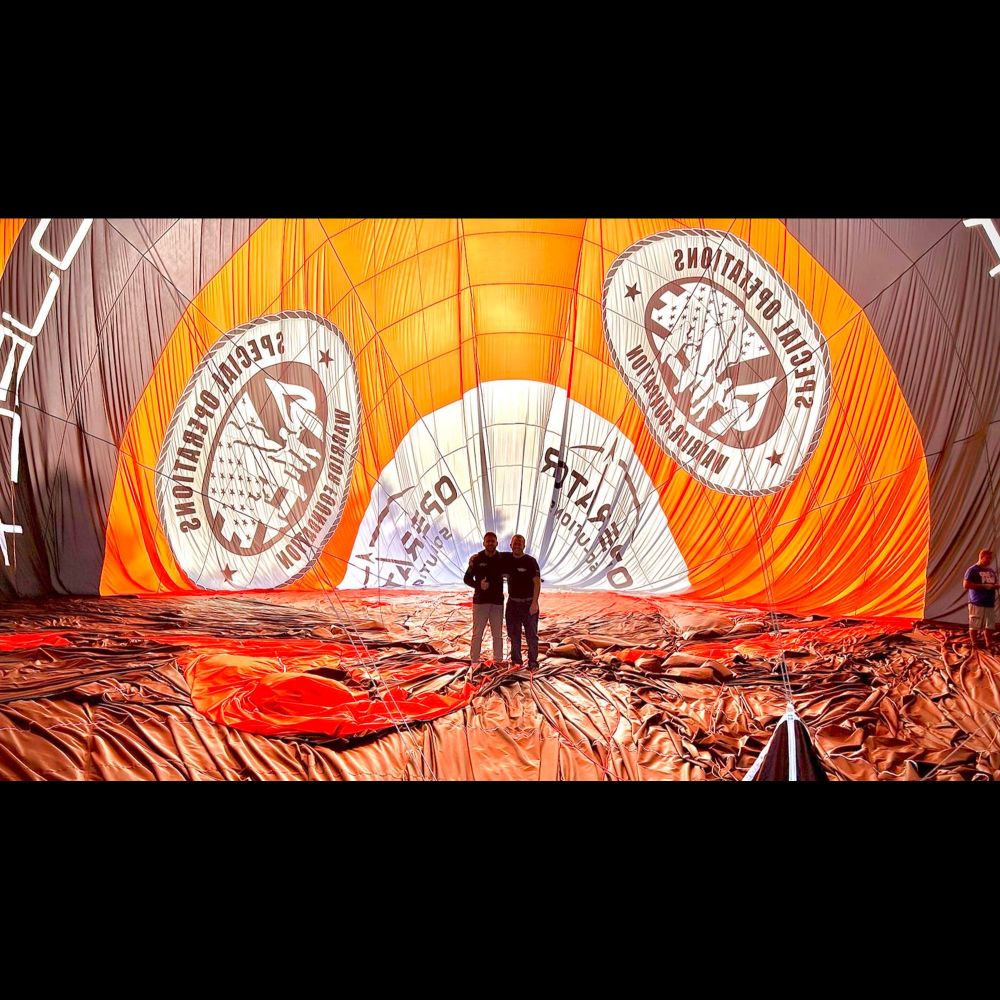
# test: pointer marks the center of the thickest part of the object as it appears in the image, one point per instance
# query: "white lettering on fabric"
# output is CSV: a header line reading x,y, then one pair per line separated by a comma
x,y
20,352
992,234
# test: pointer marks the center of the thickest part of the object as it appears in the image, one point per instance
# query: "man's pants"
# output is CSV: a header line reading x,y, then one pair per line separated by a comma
x,y
981,619
481,614
518,616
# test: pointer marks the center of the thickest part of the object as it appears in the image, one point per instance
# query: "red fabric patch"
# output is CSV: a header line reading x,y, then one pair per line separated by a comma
x,y
32,640
286,687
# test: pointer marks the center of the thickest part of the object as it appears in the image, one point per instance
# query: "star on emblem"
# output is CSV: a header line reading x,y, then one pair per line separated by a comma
x,y
324,358
228,573
633,291
774,458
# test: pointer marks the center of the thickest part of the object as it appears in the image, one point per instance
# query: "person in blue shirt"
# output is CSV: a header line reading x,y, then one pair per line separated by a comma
x,y
981,583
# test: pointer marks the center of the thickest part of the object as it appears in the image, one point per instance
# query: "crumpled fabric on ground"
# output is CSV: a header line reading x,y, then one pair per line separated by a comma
x,y
368,685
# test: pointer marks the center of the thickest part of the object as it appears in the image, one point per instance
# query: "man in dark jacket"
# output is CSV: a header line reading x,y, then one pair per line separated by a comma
x,y
485,575
524,584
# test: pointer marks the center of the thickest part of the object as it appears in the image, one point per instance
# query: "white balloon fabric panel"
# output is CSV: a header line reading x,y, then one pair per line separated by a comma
x,y
517,457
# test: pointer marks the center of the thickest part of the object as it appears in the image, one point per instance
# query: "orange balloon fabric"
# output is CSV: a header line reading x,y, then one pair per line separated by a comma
x,y
435,313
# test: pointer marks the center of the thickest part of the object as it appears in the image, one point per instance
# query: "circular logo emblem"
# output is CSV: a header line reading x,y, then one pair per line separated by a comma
x,y
729,369
256,464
